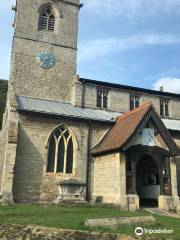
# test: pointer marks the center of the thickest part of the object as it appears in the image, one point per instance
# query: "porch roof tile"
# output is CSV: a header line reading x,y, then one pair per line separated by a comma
x,y
122,131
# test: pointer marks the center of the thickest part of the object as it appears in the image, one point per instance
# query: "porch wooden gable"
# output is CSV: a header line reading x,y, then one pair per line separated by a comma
x,y
127,128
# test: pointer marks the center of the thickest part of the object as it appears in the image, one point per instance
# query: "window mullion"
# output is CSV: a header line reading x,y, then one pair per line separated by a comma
x,y
164,109
56,155
48,22
65,155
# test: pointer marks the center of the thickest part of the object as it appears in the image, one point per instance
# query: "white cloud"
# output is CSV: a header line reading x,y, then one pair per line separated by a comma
x,y
169,84
131,8
102,47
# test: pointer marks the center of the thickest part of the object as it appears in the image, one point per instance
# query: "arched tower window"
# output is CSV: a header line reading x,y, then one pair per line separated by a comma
x,y
61,151
47,19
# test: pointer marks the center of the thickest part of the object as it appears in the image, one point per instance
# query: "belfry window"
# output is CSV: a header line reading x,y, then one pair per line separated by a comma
x,y
134,102
102,98
47,19
164,107
60,152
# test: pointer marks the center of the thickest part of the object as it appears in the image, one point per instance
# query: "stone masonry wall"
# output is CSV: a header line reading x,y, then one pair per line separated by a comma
x,y
177,140
31,182
27,77
31,80
2,152
118,100
178,174
8,150
97,133
65,34
3,140
106,182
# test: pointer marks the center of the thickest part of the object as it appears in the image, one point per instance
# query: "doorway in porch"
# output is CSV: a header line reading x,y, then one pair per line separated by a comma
x,y
147,182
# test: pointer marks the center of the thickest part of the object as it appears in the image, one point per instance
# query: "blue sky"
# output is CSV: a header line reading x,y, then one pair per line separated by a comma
x,y
132,42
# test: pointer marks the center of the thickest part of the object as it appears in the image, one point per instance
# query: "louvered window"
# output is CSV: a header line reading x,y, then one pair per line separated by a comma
x,y
47,20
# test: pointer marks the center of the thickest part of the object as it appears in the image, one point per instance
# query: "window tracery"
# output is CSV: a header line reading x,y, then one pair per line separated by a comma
x,y
61,151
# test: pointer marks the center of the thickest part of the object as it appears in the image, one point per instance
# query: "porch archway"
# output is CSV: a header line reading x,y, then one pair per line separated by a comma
x,y
147,181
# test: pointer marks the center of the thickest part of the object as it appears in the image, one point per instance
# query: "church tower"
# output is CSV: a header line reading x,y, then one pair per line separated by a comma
x,y
44,50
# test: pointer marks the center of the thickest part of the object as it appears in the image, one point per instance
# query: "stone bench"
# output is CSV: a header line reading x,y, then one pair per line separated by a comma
x,y
113,222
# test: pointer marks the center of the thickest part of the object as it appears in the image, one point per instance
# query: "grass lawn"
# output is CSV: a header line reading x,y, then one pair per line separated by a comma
x,y
73,217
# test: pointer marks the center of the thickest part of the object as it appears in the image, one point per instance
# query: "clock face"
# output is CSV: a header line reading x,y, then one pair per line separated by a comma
x,y
45,60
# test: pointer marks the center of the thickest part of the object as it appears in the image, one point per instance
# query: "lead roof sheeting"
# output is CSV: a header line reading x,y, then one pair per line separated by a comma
x,y
63,109
172,124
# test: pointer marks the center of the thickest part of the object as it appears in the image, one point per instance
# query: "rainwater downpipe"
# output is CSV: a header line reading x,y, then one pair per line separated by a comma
x,y
88,161
83,95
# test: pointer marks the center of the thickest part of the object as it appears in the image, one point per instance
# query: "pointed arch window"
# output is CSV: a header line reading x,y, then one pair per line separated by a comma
x,y
61,151
47,19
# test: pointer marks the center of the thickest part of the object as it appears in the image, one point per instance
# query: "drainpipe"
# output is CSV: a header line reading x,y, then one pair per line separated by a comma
x,y
88,160
83,95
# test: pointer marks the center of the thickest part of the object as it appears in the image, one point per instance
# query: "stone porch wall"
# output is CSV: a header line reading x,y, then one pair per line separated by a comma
x,y
177,140
178,174
106,184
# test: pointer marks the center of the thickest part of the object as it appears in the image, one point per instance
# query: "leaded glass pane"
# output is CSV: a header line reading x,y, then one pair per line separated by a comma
x,y
51,155
69,163
60,158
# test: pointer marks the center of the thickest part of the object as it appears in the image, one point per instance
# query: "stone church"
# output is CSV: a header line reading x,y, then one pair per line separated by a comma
x,y
66,138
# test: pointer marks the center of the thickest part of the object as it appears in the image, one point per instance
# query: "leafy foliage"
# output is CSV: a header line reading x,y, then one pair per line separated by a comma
x,y
3,95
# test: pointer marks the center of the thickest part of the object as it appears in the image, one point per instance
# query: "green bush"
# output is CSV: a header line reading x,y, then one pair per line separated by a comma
x,y
3,96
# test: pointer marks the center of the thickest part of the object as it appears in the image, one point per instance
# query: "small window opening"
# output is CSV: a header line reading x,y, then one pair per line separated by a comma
x,y
102,98
134,102
164,107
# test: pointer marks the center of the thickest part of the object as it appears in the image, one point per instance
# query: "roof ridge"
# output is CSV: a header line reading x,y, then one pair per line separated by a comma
x,y
136,109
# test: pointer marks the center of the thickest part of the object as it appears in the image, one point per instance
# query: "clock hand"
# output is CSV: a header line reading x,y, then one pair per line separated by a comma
x,y
45,60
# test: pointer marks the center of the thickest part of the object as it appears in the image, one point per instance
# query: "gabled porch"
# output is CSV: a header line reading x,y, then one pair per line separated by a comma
x,y
135,163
